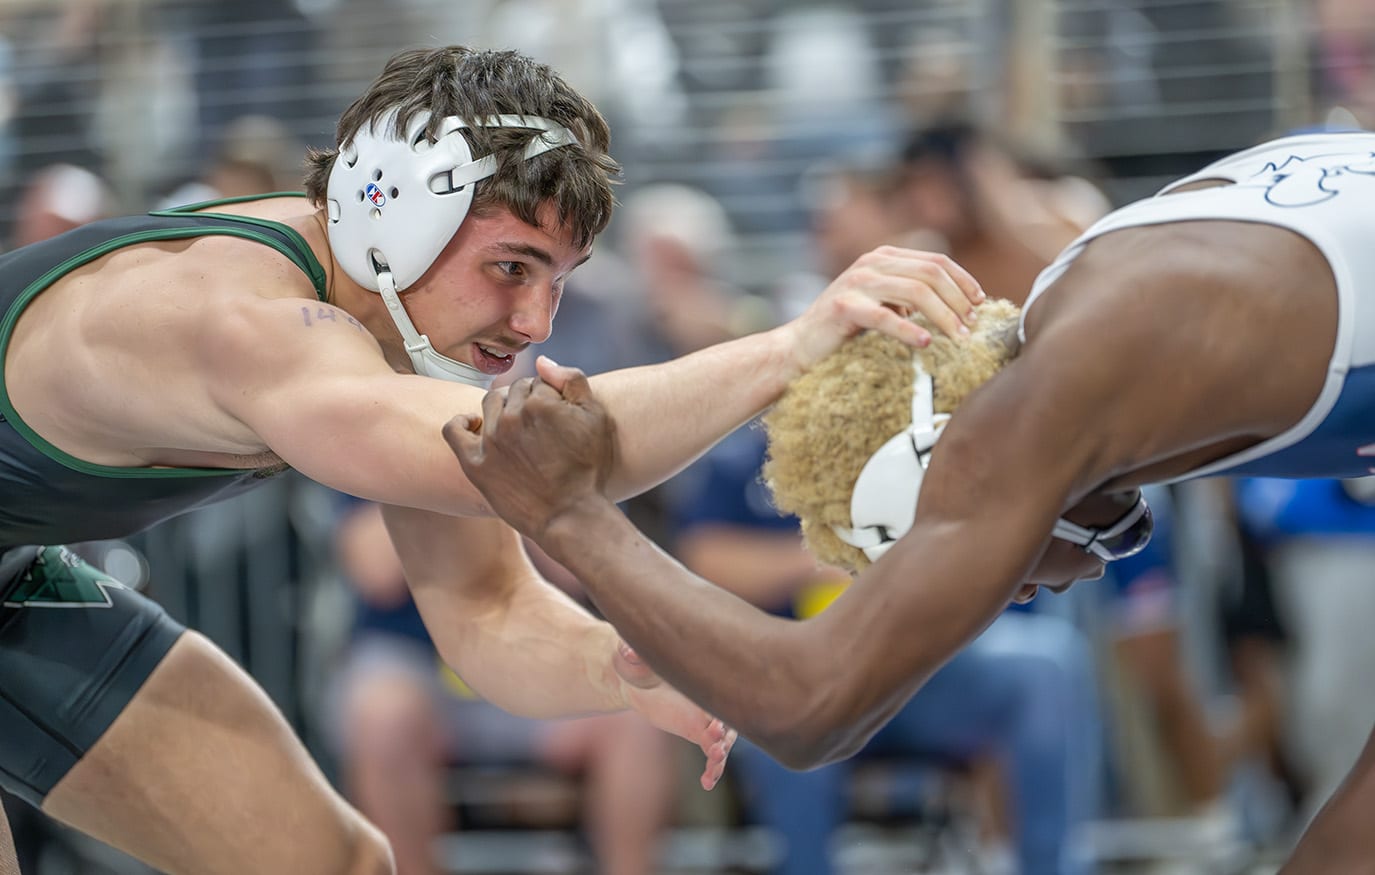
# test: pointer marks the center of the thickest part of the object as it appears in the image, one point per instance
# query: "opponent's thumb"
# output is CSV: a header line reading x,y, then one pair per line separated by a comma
x,y
570,382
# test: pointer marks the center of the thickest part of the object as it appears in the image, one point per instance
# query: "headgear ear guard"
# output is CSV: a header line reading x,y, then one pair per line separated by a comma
x,y
883,503
884,500
394,204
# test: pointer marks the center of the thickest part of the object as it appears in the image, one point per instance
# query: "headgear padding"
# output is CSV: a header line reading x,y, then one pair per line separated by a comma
x,y
832,419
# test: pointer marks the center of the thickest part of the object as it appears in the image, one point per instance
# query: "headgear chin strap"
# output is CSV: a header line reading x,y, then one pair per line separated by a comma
x,y
883,503
394,204
884,500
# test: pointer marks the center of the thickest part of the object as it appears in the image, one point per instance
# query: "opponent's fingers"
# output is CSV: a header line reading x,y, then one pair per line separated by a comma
x,y
716,765
554,373
937,301
931,289
930,283
962,280
881,318
717,755
545,392
576,388
1026,593
492,404
518,391
462,433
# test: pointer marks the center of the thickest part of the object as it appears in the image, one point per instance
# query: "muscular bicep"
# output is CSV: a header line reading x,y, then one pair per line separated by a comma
x,y
313,386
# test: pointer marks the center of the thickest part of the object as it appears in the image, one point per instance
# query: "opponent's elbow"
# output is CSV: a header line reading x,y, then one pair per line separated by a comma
x,y
811,747
812,730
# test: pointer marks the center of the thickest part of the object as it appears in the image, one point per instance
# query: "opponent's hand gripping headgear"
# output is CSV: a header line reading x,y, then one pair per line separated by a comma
x,y
394,204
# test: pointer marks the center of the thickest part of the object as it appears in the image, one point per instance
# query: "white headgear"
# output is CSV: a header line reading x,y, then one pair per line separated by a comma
x,y
394,204
884,500
883,503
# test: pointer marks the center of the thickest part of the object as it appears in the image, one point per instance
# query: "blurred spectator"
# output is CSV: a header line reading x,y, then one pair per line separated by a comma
x,y
252,57
1318,537
404,721
257,155
57,199
973,199
936,79
677,239
848,205
1345,49
50,73
1021,694
1147,638
803,112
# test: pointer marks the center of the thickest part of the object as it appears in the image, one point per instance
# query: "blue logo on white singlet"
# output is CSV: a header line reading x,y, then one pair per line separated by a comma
x,y
1303,182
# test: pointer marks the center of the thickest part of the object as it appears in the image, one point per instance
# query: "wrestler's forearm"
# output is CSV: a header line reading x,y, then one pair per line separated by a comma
x,y
758,673
536,655
669,414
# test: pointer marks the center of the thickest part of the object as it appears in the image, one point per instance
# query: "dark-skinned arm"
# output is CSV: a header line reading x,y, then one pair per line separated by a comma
x,y
813,691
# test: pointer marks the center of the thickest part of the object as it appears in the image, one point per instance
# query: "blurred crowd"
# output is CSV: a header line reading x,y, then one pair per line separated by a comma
x,y
1187,711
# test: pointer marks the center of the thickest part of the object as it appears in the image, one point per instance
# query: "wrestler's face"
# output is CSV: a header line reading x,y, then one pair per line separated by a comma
x,y
1064,563
495,288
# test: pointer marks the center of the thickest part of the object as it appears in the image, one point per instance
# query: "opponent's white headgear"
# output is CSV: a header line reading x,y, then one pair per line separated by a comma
x,y
394,204
883,503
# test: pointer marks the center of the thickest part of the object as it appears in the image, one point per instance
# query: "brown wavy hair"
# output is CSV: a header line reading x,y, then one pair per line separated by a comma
x,y
471,84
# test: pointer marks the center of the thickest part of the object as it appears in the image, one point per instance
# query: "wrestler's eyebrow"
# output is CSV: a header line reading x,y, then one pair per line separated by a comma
x,y
527,250
534,252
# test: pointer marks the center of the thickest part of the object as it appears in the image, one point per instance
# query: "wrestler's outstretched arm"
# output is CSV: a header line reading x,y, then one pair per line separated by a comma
x,y
310,382
811,691
524,645
672,412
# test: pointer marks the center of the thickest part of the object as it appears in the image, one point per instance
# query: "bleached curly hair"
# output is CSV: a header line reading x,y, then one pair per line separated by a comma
x,y
832,418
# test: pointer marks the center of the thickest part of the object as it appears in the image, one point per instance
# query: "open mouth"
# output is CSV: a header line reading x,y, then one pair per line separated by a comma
x,y
491,361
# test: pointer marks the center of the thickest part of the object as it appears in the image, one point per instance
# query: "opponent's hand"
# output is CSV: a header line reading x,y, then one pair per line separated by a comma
x,y
879,291
670,711
536,450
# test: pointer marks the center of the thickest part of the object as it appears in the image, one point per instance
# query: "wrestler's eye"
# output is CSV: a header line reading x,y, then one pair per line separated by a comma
x,y
513,269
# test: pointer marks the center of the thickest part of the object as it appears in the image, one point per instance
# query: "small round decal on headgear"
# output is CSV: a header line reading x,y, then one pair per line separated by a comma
x,y
374,194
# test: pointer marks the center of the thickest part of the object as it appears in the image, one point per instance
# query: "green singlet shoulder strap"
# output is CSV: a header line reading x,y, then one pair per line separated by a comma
x,y
98,239
299,252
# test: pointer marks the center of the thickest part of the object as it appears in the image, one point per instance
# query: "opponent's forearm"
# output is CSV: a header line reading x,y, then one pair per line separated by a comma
x,y
537,654
668,414
756,672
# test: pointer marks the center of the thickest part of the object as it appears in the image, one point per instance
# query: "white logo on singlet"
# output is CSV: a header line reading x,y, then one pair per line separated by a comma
x,y
1301,182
